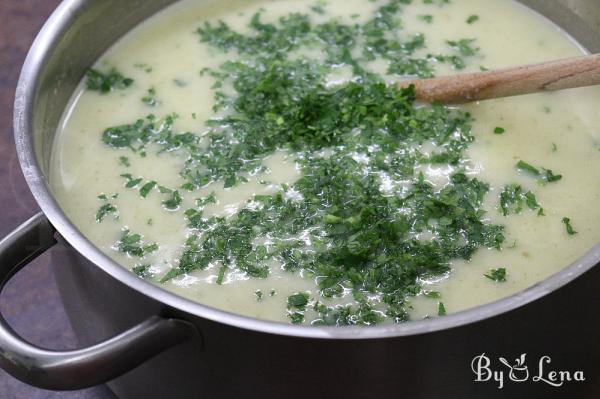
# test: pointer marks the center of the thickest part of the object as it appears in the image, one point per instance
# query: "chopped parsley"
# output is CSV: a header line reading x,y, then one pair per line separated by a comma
x,y
568,226
544,175
143,271
105,210
499,130
464,46
441,309
173,202
426,18
138,135
526,167
209,199
296,305
132,245
497,275
143,66
318,8
106,82
550,177
131,182
146,188
298,301
432,294
513,199
150,98
123,160
472,19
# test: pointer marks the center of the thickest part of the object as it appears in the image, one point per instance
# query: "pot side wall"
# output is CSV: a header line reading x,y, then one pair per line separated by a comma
x,y
237,363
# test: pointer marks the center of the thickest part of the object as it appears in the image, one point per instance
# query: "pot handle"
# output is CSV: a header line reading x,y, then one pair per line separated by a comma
x,y
81,368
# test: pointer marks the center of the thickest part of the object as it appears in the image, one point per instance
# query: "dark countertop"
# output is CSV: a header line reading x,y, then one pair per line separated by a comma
x,y
30,302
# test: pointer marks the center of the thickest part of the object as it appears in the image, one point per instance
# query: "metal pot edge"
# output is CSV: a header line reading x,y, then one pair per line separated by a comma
x,y
24,109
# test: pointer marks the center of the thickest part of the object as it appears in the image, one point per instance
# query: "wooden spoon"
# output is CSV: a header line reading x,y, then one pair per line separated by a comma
x,y
548,76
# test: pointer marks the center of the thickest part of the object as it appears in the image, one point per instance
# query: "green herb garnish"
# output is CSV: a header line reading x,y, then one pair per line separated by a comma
x,y
298,301
124,161
498,275
143,66
441,309
146,188
106,82
296,305
513,199
525,167
210,199
318,8
143,271
150,98
472,19
426,18
432,294
105,210
464,46
173,202
550,177
568,226
131,181
545,175
132,245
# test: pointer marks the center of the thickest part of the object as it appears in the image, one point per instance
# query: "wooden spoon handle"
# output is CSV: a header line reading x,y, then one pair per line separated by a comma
x,y
548,76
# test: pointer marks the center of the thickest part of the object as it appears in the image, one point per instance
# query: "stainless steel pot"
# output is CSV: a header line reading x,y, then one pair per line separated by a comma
x,y
178,348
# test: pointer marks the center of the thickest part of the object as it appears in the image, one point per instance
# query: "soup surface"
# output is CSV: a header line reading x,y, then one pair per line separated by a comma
x,y
252,156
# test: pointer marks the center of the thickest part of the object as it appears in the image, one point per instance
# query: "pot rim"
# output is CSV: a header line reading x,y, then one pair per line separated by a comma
x,y
29,81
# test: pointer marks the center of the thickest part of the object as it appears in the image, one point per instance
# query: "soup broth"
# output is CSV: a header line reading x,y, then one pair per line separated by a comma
x,y
254,156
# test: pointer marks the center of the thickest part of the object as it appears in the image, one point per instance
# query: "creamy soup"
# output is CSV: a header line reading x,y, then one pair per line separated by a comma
x,y
254,156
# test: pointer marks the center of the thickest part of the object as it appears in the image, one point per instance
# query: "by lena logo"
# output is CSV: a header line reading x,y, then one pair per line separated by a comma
x,y
518,371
